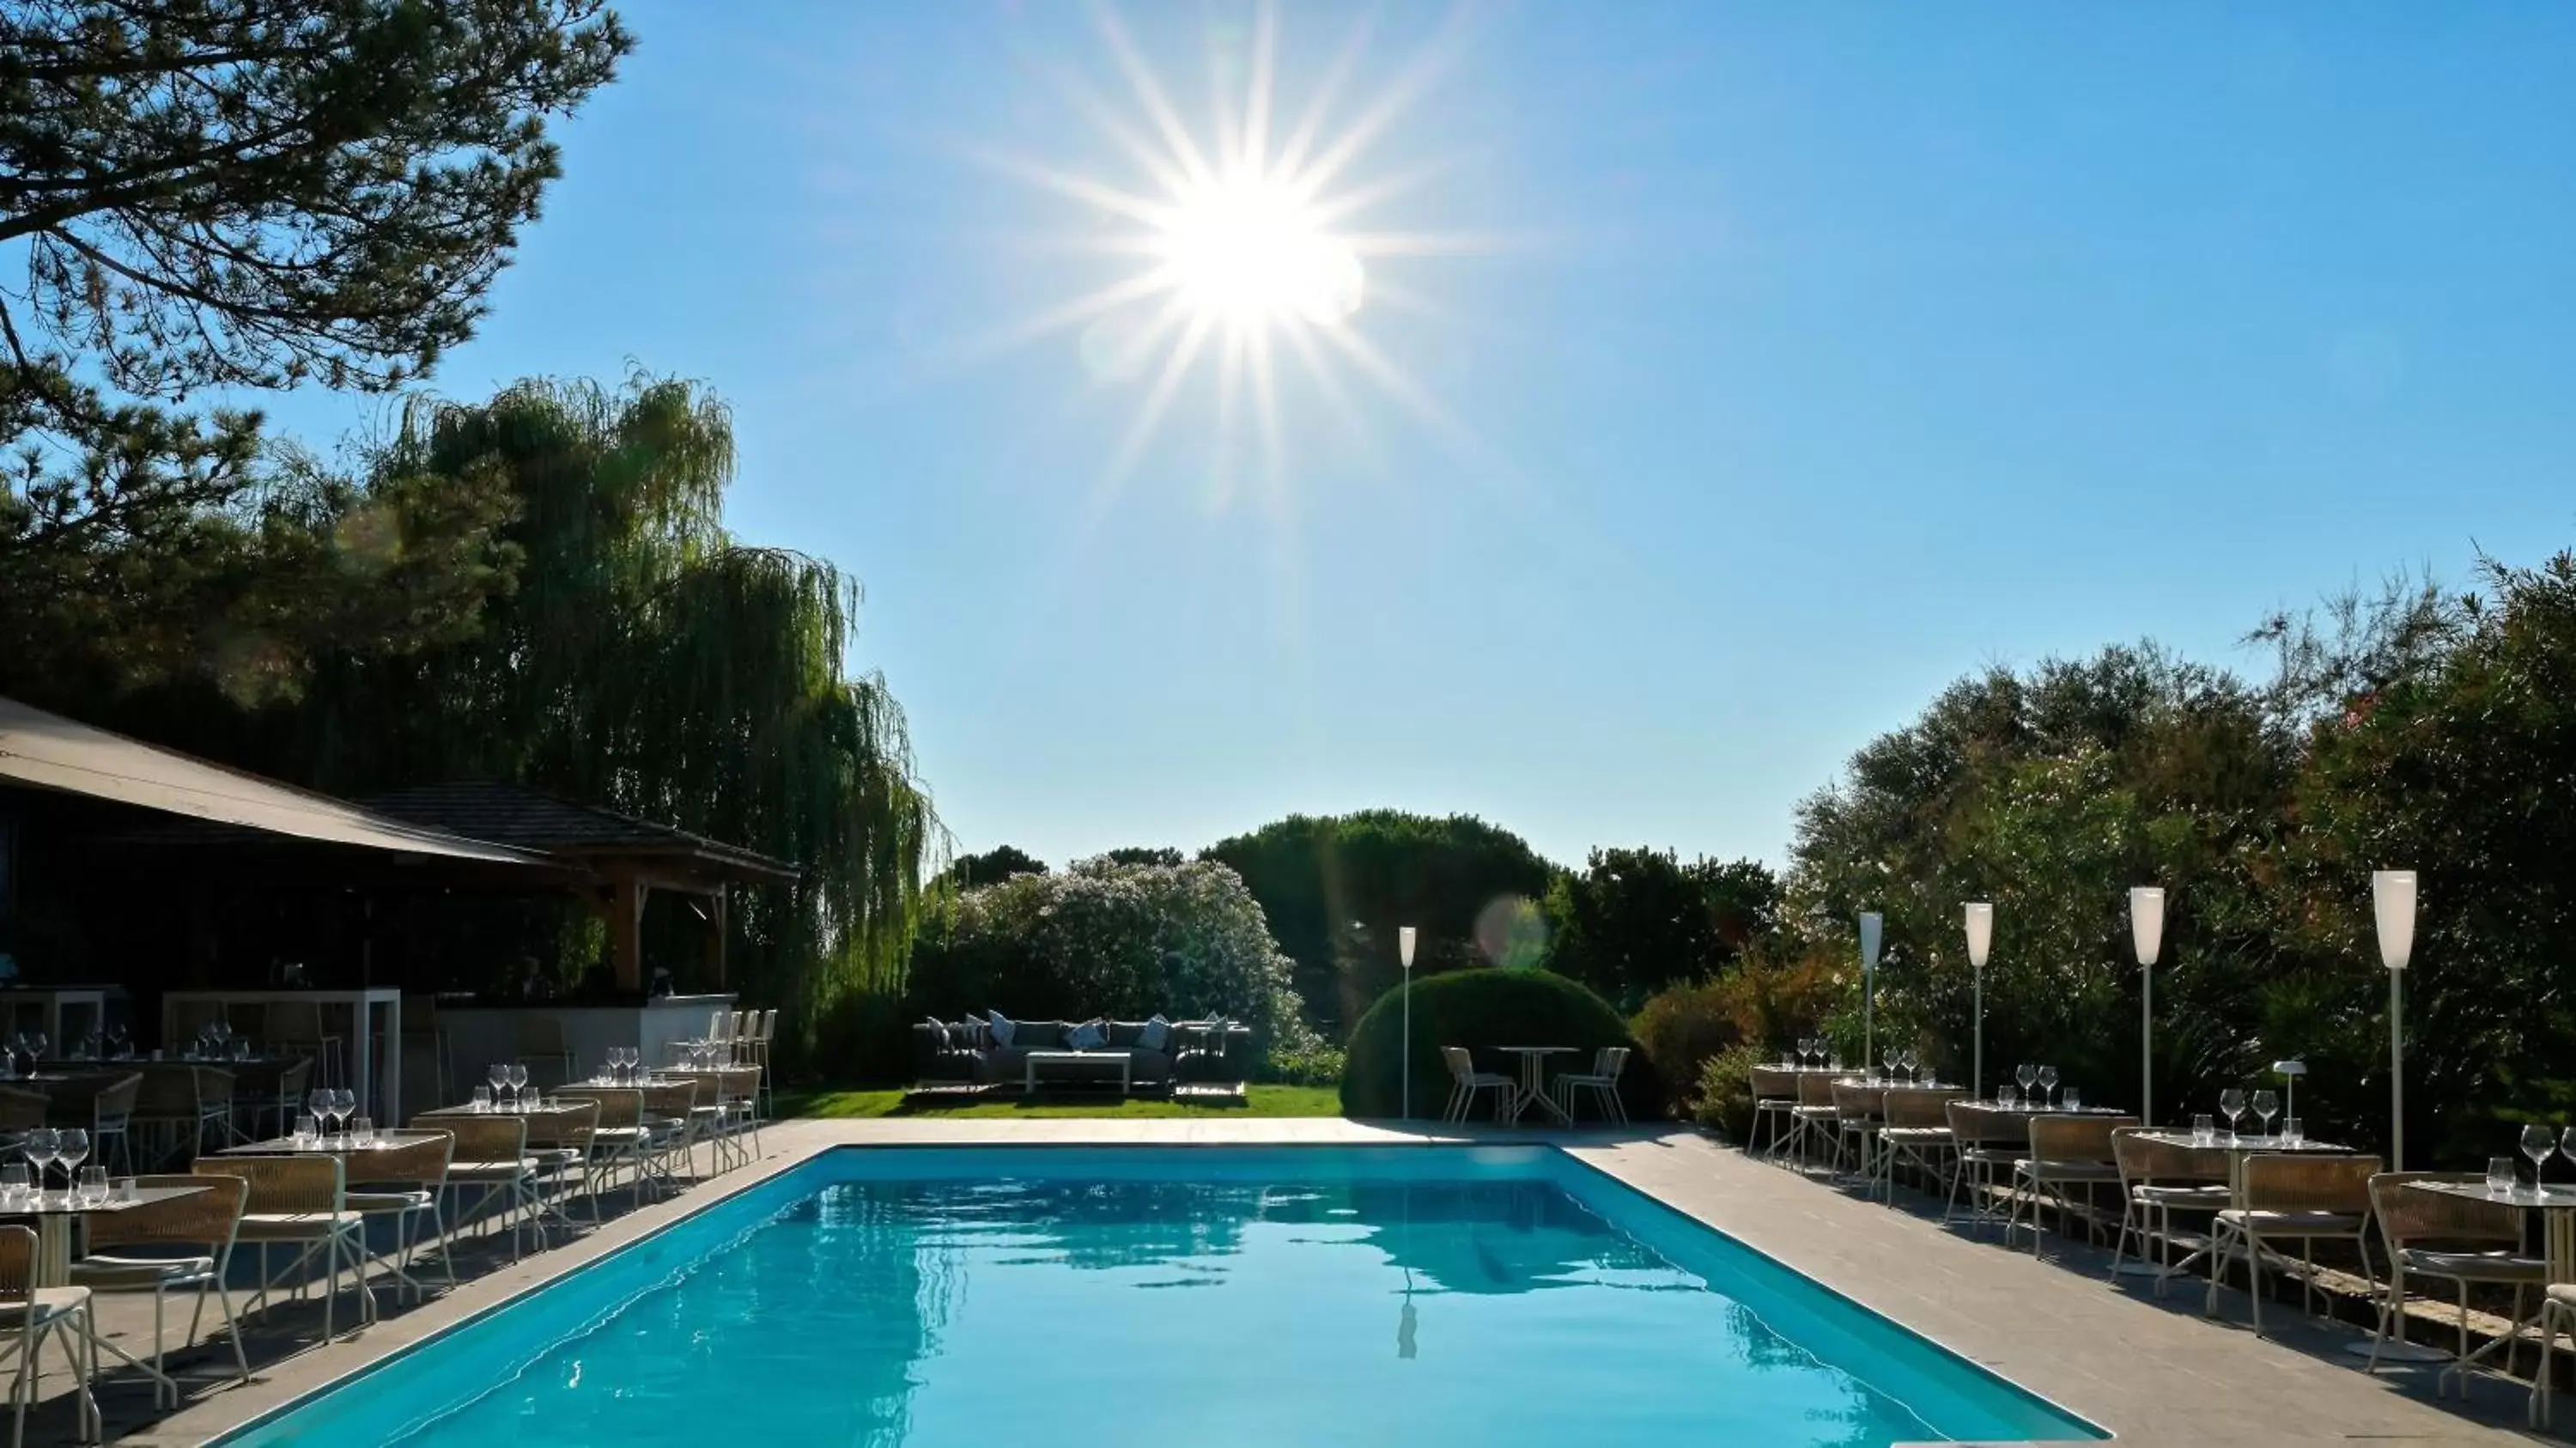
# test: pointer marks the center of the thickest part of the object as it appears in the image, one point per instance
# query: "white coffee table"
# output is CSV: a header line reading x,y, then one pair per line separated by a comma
x,y
1126,1062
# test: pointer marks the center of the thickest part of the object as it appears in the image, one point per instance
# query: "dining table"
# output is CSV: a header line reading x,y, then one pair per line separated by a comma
x,y
1533,1081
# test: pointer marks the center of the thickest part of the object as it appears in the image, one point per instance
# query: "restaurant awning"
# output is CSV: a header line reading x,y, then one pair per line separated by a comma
x,y
48,751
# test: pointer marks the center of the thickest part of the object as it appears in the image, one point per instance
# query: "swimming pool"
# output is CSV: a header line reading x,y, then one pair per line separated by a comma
x,y
942,1297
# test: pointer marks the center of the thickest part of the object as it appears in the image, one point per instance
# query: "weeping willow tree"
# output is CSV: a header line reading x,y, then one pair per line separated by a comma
x,y
637,657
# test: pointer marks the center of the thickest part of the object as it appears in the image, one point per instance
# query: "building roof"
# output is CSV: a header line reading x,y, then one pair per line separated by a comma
x,y
531,819
48,751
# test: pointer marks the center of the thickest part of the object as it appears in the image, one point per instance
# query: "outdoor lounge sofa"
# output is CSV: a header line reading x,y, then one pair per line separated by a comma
x,y
1194,1051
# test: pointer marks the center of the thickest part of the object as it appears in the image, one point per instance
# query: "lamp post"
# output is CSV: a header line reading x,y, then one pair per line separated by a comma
x,y
1404,952
1981,938
2392,901
2147,933
1870,924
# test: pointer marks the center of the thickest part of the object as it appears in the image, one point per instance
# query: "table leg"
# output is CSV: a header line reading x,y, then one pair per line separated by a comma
x,y
393,1064
54,1249
1028,1077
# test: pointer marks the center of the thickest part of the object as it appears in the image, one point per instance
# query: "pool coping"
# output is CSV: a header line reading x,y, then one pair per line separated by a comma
x,y
2131,1371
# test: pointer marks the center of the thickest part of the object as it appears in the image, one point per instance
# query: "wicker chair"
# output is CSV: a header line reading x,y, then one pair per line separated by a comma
x,y
2066,1152
2459,1240
489,1155
33,1314
181,1106
1985,1143
1775,1100
2557,1314
22,1111
416,1173
1813,1119
618,1139
670,1116
202,1225
562,1156
2158,1179
101,1105
1856,1109
1916,1128
300,1201
725,1109
2292,1197
762,1035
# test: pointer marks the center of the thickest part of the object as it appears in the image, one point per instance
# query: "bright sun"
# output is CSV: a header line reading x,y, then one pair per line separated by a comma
x,y
1245,249
1249,251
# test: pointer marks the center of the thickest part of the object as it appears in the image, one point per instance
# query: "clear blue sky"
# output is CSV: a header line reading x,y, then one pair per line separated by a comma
x,y
1794,360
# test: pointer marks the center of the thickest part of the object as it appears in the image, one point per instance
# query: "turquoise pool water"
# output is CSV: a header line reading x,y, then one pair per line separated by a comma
x,y
957,1298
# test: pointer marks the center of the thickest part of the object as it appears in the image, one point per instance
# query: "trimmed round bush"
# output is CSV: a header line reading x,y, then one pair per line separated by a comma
x,y
1480,1010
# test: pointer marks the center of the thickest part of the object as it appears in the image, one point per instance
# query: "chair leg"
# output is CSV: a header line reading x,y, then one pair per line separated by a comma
x,y
19,1386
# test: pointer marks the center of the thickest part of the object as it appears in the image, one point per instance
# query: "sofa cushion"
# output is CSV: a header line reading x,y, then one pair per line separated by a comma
x,y
1123,1035
1155,1034
1088,1036
1006,1032
938,1033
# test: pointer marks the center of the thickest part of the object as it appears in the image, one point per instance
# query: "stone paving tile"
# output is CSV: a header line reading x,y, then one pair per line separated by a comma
x,y
2156,1374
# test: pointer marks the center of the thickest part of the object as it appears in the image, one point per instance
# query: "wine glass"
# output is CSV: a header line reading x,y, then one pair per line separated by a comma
x,y
2267,1104
499,1075
2567,1144
318,1101
2048,1079
1807,1050
345,1102
518,1083
2231,1104
2027,1075
71,1148
40,1146
2537,1143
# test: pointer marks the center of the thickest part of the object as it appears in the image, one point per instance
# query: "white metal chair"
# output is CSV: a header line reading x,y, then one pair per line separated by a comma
x,y
203,1225
1602,1082
2292,1197
1465,1081
29,1315
1813,1118
2557,1314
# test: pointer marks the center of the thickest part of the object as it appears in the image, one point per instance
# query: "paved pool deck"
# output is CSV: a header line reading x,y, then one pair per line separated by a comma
x,y
2153,1373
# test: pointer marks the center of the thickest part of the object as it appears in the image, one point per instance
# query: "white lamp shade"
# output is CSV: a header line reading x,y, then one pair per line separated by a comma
x,y
1981,932
1404,944
1870,924
2392,899
2147,922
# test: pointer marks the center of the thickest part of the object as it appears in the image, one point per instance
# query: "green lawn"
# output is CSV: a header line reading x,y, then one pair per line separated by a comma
x,y
1260,1101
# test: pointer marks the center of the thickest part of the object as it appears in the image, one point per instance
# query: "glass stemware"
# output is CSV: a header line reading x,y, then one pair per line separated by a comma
x,y
519,1084
2048,1080
71,1148
40,1146
318,1101
345,1101
499,1075
2567,1144
2231,1104
2267,1105
2537,1143
2027,1075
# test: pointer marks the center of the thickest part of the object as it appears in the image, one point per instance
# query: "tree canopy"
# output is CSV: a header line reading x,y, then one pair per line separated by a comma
x,y
1634,921
241,194
994,866
1336,888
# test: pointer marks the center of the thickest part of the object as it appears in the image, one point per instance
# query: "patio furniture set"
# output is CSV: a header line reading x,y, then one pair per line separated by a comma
x,y
1517,1091
994,1050
2211,1199
522,1165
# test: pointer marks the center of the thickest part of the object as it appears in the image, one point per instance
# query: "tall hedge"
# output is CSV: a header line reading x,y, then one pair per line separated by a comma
x,y
1481,1010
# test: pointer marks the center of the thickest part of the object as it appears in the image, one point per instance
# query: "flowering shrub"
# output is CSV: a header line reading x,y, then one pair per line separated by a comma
x,y
1106,939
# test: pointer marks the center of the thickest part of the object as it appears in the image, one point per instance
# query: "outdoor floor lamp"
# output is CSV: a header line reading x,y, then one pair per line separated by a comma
x,y
1981,938
1870,924
1404,952
2147,933
2392,901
